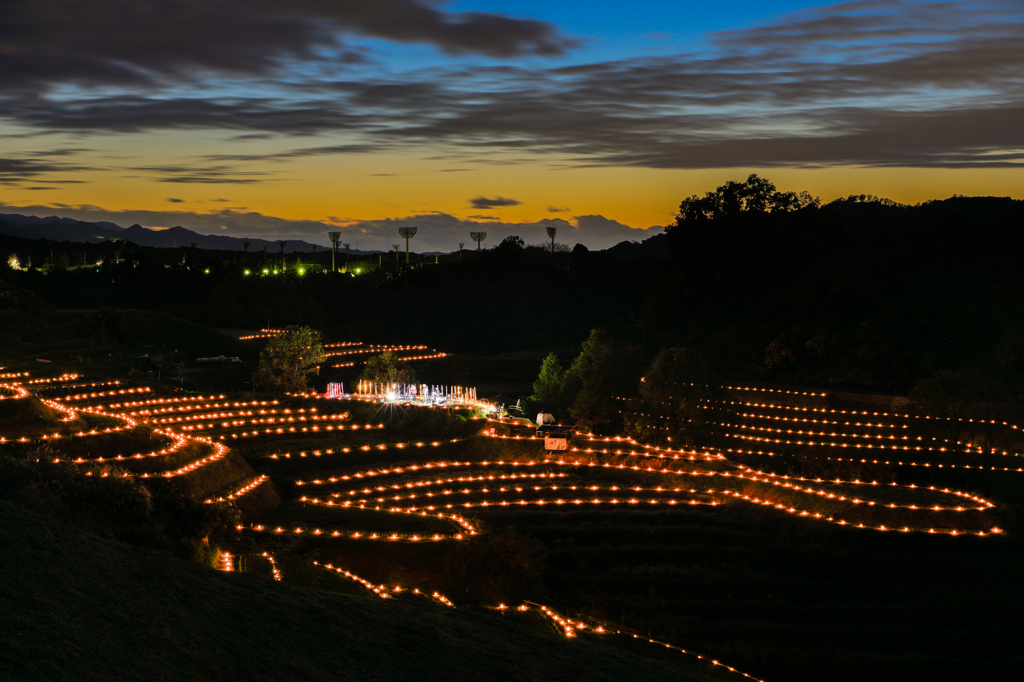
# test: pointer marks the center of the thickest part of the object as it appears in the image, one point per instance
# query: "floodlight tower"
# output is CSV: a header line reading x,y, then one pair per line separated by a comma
x,y
335,237
461,244
408,233
397,248
346,256
551,233
478,237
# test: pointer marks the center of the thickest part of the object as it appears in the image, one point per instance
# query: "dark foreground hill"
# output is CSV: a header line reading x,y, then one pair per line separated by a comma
x,y
74,607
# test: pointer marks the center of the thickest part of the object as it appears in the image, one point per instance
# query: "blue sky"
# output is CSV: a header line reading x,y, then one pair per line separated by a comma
x,y
267,118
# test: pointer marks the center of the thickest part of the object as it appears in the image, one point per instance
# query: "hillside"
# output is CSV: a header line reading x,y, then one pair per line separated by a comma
x,y
88,609
859,294
77,231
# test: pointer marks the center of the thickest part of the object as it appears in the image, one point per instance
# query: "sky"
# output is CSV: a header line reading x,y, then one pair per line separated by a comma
x,y
274,118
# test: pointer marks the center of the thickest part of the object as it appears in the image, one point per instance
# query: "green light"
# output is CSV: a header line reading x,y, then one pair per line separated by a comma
x,y
247,272
265,271
207,271
357,271
302,272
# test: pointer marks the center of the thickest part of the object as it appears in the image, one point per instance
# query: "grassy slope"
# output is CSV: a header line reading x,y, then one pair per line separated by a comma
x,y
75,607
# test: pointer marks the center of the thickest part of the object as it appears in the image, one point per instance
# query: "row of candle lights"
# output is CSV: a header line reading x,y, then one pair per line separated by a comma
x,y
748,474
383,591
570,627
822,410
240,490
104,394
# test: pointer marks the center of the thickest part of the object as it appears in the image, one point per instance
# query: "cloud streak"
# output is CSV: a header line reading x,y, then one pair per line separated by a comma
x,y
483,203
143,43
864,83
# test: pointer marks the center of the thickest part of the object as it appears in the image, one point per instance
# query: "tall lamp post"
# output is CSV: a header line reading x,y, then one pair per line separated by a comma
x,y
397,248
346,257
478,237
408,233
334,237
551,233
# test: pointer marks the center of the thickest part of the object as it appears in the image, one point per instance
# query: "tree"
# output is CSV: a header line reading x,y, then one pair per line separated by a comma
x,y
388,370
676,401
755,195
511,243
289,358
592,390
600,377
549,390
960,404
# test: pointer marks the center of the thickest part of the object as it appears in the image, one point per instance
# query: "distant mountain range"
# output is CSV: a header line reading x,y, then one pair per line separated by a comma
x,y
71,230
858,214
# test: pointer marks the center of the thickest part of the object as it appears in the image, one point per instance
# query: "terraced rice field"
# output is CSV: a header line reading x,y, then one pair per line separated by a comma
x,y
436,513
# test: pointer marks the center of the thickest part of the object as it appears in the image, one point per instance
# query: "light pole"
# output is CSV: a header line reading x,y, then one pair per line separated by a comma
x,y
397,248
551,233
346,257
408,233
461,244
334,237
478,237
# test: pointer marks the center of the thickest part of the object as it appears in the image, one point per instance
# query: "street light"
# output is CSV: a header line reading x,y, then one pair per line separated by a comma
x,y
478,237
335,237
408,233
551,233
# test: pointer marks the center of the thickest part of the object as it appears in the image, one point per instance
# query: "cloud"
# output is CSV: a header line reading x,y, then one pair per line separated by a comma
x,y
176,201
555,209
865,83
143,43
437,231
202,174
485,203
15,171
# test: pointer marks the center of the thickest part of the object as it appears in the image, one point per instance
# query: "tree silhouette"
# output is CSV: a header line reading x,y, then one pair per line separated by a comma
x,y
676,399
755,195
388,370
289,358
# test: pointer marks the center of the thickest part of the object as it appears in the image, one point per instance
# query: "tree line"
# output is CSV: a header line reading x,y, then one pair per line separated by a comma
x,y
766,284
